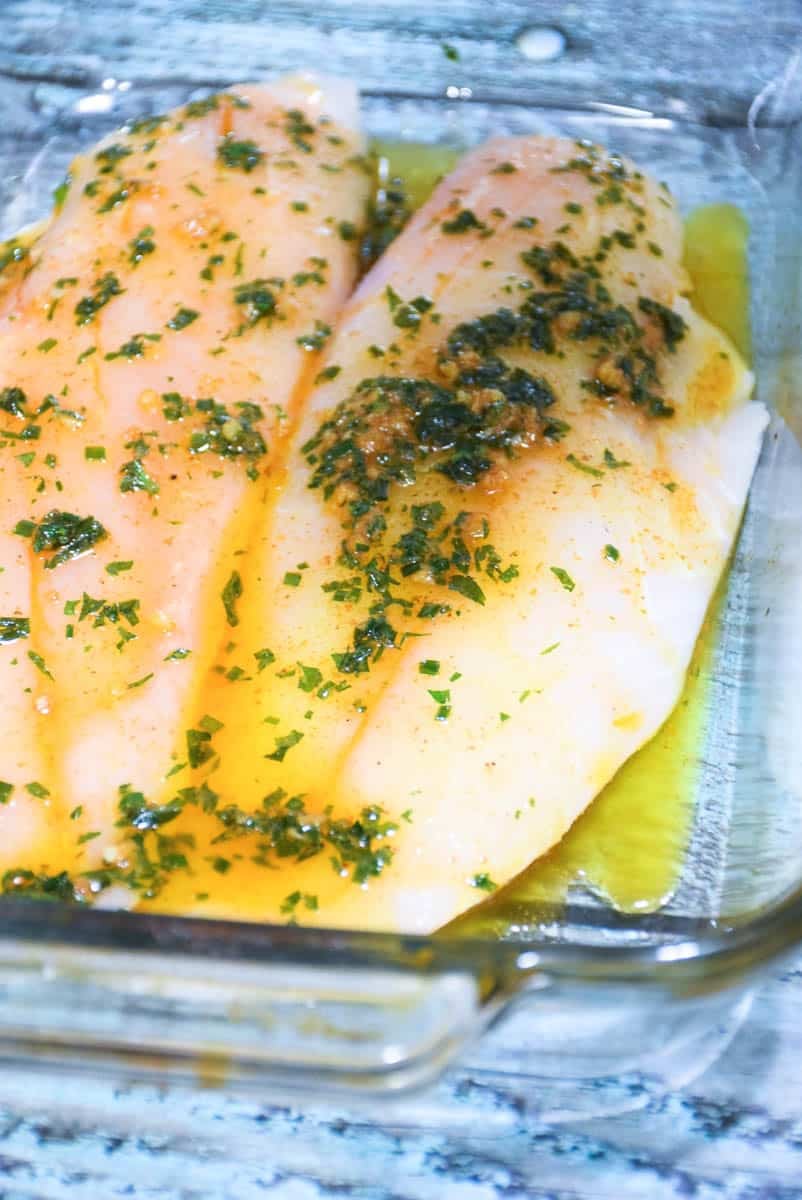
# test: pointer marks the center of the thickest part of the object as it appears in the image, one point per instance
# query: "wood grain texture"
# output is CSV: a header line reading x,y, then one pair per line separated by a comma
x,y
736,1132
683,57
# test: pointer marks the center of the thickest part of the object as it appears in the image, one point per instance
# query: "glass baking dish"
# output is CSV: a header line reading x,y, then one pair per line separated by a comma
x,y
577,992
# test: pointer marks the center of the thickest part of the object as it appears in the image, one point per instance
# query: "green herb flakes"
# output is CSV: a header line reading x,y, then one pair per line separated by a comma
x,y
70,535
14,629
467,587
310,678
612,462
284,744
463,222
230,595
242,155
565,579
39,663
104,289
134,477
182,318
583,466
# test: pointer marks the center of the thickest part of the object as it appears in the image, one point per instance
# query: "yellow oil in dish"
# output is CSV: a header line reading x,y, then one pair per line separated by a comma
x,y
716,238
417,165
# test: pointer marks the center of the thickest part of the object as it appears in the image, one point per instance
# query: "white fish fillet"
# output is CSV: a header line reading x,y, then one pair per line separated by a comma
x,y
556,687
161,230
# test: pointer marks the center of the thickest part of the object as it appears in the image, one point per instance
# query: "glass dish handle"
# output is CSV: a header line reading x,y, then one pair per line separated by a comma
x,y
217,1021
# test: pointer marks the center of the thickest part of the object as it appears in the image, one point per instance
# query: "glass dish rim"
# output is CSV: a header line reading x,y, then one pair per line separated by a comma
x,y
719,951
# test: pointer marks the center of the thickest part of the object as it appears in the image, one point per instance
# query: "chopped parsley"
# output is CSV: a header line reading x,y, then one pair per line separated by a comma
x,y
442,698
565,579
463,222
133,348
229,434
110,156
257,300
139,682
182,318
104,289
284,744
310,678
230,594
60,193
116,198
242,155
199,108
317,339
672,325
13,401
467,587
14,629
70,535
141,245
39,663
134,477
583,466
328,373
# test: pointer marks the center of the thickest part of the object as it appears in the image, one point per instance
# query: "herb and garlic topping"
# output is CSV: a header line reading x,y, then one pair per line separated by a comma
x,y
479,409
157,338
305,590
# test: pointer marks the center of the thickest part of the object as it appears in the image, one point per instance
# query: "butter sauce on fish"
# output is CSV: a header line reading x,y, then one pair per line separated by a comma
x,y
470,593
156,341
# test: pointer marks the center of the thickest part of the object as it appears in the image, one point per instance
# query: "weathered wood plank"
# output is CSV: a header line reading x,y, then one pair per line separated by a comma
x,y
700,56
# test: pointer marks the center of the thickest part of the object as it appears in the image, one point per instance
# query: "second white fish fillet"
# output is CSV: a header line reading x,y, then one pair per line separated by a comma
x,y
490,713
